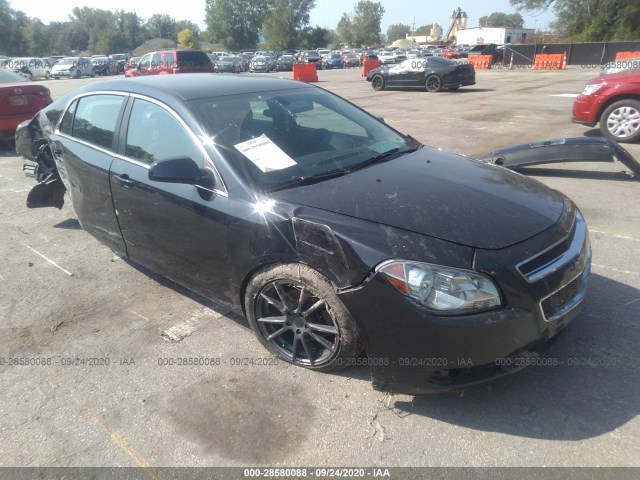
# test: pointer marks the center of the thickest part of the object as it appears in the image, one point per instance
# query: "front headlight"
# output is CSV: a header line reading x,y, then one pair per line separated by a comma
x,y
444,290
592,88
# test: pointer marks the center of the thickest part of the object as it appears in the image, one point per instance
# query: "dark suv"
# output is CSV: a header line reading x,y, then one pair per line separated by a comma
x,y
311,56
172,61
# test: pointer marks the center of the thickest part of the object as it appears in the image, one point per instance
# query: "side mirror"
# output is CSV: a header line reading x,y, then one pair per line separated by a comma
x,y
176,170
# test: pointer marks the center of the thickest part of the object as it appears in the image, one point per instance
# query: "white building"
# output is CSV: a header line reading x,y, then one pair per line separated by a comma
x,y
497,35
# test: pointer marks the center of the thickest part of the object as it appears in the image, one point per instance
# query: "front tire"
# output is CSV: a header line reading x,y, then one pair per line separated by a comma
x,y
621,121
78,74
297,316
377,82
433,84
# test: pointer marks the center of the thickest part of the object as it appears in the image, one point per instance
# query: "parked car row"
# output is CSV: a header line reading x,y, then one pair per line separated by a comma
x,y
59,66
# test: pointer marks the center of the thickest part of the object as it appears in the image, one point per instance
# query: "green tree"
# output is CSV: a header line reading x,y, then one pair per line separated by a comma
x,y
397,31
131,28
345,32
161,26
500,19
235,23
187,39
367,17
316,37
285,22
590,20
182,24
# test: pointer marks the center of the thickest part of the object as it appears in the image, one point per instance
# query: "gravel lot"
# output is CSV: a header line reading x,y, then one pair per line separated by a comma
x,y
65,296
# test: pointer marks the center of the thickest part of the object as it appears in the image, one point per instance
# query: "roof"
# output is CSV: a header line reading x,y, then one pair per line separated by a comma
x,y
189,86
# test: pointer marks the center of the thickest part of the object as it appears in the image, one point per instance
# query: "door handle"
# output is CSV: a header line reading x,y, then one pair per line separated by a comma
x,y
125,181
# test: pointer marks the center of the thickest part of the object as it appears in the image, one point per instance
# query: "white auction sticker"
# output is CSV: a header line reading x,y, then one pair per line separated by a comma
x,y
265,154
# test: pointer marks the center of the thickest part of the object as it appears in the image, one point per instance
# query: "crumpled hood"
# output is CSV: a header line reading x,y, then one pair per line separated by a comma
x,y
441,195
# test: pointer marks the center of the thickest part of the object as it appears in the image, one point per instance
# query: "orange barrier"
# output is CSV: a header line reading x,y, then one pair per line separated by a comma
x,y
553,61
481,62
305,72
625,55
369,65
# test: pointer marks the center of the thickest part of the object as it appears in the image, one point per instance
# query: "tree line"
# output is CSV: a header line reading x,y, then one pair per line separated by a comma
x,y
236,24
283,24
87,30
590,20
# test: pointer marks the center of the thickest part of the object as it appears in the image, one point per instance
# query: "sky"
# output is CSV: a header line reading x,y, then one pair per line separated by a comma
x,y
325,14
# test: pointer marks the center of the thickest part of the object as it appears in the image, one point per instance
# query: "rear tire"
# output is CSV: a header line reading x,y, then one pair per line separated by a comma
x,y
377,82
621,121
433,84
295,313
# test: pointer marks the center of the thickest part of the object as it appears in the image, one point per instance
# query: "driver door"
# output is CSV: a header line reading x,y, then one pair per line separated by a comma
x,y
177,230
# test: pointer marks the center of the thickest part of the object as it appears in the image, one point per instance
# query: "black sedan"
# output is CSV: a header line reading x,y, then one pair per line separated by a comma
x,y
229,64
332,232
285,63
431,73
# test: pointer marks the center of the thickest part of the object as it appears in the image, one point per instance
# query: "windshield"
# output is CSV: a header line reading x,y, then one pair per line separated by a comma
x,y
68,61
274,138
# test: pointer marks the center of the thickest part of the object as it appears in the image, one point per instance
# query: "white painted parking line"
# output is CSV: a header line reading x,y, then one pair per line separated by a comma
x,y
628,272
187,327
566,95
50,261
141,316
623,237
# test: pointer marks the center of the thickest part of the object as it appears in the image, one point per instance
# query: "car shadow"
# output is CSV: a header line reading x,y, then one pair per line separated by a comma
x,y
474,90
69,224
444,90
233,313
7,149
593,390
594,132
590,389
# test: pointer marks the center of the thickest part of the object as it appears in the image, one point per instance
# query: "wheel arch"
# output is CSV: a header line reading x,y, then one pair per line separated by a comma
x,y
610,101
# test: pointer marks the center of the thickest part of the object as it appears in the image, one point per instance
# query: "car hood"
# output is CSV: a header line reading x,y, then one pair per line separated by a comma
x,y
441,195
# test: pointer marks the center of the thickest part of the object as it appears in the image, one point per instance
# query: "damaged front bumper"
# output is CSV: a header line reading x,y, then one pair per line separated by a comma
x,y
413,351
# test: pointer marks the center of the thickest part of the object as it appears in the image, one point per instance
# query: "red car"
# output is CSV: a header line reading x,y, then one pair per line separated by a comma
x,y
449,53
171,61
19,101
613,99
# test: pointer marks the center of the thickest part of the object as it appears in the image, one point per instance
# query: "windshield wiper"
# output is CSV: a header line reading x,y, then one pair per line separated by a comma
x,y
382,157
306,180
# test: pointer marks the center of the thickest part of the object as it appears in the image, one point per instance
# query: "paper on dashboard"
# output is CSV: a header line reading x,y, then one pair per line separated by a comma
x,y
265,154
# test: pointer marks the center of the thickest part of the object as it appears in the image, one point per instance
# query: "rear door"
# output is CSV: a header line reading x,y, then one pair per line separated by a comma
x,y
177,230
83,147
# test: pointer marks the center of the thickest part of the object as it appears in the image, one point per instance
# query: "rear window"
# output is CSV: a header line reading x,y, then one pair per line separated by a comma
x,y
193,59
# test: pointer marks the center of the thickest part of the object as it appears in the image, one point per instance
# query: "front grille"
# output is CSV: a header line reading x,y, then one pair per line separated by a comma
x,y
556,256
537,263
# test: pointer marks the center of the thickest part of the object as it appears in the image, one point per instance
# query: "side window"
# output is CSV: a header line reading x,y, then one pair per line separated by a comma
x,y
156,60
96,117
155,134
168,59
145,61
67,121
